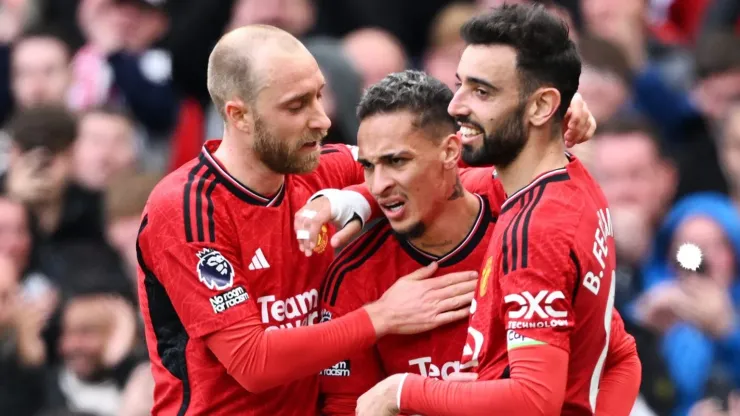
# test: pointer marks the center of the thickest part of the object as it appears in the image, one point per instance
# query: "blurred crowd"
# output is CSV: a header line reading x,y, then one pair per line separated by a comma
x,y
101,98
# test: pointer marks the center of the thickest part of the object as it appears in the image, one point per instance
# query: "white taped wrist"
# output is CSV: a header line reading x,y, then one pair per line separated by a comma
x,y
345,205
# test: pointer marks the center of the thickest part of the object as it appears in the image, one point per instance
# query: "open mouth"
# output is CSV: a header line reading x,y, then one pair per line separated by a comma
x,y
310,145
468,132
392,208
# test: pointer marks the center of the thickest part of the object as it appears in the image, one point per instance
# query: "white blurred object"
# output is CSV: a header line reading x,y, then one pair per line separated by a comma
x,y
641,408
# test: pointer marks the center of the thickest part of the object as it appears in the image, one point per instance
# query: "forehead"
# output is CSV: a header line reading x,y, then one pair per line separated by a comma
x,y
492,63
39,49
388,133
632,146
287,74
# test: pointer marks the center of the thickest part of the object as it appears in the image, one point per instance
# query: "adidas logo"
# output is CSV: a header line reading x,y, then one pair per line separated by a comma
x,y
259,261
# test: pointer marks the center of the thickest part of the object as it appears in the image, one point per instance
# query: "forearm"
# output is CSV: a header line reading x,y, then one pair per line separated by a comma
x,y
260,360
620,384
536,387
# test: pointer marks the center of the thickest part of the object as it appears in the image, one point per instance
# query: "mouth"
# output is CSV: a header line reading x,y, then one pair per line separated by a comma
x,y
393,208
469,132
310,145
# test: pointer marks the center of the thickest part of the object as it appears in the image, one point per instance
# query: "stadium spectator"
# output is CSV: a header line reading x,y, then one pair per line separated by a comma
x,y
105,147
375,53
124,61
125,199
22,350
445,43
15,233
98,333
40,176
718,68
40,71
696,311
730,150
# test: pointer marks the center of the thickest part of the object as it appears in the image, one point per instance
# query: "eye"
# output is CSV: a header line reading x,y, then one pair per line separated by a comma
x,y
480,92
397,161
458,84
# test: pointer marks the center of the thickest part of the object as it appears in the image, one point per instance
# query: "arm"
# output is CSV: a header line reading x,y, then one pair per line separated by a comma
x,y
344,382
536,387
620,384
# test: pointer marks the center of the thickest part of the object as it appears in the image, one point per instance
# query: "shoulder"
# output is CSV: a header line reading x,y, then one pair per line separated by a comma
x,y
351,262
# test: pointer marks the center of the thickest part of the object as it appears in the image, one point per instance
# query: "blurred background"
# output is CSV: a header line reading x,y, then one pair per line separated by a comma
x,y
101,98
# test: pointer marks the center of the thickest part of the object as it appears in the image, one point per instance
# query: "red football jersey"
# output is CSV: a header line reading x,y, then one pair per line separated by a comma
x,y
548,278
211,253
361,274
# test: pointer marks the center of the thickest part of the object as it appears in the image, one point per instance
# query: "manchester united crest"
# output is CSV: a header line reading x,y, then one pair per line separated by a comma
x,y
323,240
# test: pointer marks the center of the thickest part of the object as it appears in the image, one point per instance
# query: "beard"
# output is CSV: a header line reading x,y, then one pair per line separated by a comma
x,y
282,157
502,145
414,231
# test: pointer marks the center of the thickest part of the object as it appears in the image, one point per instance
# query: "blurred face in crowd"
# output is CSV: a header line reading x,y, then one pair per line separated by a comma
x,y
8,290
15,235
716,94
609,18
40,71
104,148
85,331
375,54
632,174
719,257
294,16
488,106
141,25
441,63
730,148
289,118
52,170
408,170
605,93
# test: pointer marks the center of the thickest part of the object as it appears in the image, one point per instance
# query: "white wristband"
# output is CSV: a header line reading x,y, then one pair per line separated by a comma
x,y
345,205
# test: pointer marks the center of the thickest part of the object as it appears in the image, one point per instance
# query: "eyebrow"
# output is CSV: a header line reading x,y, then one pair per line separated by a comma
x,y
479,81
300,96
386,156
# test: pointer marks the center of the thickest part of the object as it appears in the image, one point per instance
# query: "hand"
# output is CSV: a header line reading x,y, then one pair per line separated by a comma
x,y
123,331
310,219
580,124
417,302
27,179
707,407
707,306
381,399
656,307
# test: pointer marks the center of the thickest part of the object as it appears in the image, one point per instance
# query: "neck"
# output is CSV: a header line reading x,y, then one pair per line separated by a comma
x,y
48,216
236,158
540,155
451,226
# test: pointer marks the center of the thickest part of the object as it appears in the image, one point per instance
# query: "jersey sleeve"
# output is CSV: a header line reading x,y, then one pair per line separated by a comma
x,y
338,167
344,382
202,276
538,281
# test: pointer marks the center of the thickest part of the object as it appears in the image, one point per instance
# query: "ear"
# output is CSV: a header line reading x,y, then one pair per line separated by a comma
x,y
451,147
543,106
239,115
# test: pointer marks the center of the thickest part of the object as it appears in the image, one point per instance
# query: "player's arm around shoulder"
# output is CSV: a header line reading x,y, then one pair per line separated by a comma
x,y
338,167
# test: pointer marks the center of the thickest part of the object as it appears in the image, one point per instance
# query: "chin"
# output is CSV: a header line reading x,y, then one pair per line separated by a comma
x,y
409,228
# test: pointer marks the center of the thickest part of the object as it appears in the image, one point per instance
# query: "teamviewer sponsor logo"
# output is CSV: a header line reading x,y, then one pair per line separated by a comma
x,y
536,311
340,369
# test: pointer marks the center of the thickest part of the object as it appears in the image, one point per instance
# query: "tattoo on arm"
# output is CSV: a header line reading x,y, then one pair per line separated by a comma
x,y
457,191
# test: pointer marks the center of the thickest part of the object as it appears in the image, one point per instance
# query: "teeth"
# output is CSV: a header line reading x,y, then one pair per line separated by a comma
x,y
469,131
394,207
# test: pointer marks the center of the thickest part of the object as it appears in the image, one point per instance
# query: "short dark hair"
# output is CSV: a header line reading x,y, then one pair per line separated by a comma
x,y
412,91
51,127
545,54
635,124
717,52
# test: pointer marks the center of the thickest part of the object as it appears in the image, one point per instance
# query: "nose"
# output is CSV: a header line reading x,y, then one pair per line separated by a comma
x,y
320,121
457,107
380,182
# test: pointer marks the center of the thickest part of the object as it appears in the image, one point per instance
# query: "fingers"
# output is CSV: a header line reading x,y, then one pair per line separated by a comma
x,y
346,234
453,279
451,316
422,273
453,303
308,222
